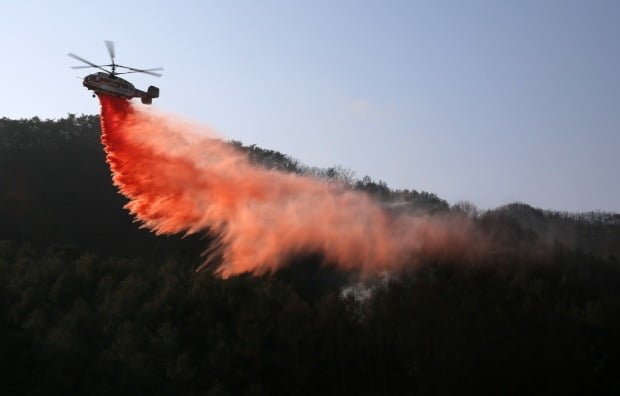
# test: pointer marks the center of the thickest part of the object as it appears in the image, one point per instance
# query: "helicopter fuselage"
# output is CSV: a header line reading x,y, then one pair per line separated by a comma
x,y
112,85
115,86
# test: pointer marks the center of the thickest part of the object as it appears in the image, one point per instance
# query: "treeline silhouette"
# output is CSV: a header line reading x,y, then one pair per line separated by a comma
x,y
91,304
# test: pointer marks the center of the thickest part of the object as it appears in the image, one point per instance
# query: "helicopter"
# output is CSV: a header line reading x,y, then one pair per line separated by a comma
x,y
109,83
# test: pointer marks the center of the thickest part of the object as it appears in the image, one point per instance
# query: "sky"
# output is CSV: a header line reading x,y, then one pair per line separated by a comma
x,y
490,102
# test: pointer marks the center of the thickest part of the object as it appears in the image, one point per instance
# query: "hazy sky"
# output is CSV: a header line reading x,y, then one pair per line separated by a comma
x,y
487,101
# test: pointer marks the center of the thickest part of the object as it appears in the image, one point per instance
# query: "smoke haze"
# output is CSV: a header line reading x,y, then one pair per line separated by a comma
x,y
179,180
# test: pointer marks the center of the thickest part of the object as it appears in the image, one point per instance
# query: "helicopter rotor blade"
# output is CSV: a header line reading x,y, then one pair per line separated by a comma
x,y
139,71
146,71
110,45
74,56
91,64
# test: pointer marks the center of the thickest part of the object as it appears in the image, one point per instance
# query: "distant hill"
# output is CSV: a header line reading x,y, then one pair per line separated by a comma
x,y
593,232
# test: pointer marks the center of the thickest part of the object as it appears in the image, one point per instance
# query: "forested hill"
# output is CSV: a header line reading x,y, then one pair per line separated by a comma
x,y
55,187
91,304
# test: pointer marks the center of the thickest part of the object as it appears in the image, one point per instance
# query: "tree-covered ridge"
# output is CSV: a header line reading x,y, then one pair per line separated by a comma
x,y
596,232
54,170
275,160
27,133
55,187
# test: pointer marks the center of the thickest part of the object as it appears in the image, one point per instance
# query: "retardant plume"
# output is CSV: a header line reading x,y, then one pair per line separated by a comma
x,y
180,181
